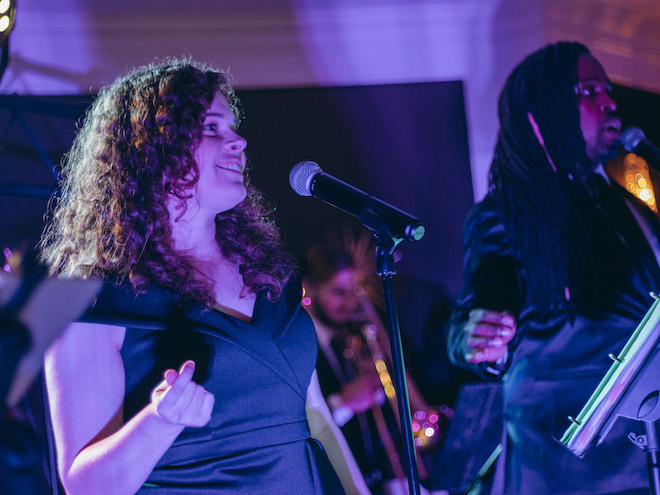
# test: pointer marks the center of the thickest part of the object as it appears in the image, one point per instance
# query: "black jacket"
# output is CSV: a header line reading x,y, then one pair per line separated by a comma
x,y
556,363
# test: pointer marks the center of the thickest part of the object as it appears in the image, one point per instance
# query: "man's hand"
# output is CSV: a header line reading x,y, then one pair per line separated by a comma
x,y
488,334
362,393
179,400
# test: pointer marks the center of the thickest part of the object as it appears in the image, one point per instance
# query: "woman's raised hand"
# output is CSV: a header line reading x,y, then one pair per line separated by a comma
x,y
179,400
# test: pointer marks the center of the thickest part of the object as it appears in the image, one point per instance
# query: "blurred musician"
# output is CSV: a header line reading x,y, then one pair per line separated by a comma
x,y
354,361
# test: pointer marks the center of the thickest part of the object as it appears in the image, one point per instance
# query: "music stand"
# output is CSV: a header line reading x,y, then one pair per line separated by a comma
x,y
629,389
34,311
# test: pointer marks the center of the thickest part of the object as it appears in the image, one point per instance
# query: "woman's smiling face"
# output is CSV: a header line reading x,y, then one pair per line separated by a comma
x,y
220,160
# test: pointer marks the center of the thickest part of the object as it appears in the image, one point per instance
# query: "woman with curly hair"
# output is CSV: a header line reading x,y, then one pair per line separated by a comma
x,y
198,294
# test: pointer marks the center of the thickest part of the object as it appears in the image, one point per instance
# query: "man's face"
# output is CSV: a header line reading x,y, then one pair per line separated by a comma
x,y
338,299
600,125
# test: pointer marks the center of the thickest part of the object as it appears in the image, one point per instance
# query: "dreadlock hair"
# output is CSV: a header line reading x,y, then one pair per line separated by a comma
x,y
542,199
133,151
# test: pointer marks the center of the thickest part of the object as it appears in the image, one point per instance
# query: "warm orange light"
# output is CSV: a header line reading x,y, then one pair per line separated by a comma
x,y
638,180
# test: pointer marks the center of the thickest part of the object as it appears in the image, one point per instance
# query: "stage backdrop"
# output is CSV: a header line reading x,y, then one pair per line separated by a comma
x,y
403,143
406,144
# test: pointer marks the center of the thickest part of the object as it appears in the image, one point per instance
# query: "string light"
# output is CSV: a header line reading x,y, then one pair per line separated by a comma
x,y
7,17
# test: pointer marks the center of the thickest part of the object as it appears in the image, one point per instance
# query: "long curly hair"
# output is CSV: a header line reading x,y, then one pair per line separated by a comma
x,y
134,149
548,205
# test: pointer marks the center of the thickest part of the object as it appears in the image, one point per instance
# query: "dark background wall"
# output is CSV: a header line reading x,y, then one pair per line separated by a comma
x,y
406,144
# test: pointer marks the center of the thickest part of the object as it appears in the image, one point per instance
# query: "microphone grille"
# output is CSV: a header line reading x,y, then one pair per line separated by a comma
x,y
300,176
631,137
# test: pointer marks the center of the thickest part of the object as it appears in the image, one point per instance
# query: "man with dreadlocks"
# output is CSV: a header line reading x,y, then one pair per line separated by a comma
x,y
559,262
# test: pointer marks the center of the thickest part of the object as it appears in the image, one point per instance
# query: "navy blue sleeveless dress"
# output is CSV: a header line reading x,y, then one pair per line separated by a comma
x,y
258,439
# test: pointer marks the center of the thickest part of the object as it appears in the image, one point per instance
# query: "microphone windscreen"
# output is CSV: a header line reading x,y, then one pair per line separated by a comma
x,y
631,137
300,176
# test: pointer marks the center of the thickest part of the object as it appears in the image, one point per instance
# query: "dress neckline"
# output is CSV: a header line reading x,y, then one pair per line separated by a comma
x,y
237,315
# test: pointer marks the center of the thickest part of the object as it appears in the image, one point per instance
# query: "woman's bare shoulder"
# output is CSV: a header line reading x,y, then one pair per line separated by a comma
x,y
89,340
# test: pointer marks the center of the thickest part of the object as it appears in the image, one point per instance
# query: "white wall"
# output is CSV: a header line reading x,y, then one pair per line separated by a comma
x,y
76,46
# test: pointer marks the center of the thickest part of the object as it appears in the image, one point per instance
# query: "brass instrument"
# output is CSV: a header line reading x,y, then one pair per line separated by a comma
x,y
429,423
366,349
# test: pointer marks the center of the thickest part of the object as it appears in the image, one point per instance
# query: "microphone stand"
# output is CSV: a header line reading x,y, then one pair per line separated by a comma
x,y
649,442
385,244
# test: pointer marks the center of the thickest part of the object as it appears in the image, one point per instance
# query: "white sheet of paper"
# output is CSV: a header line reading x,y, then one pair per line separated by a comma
x,y
51,307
